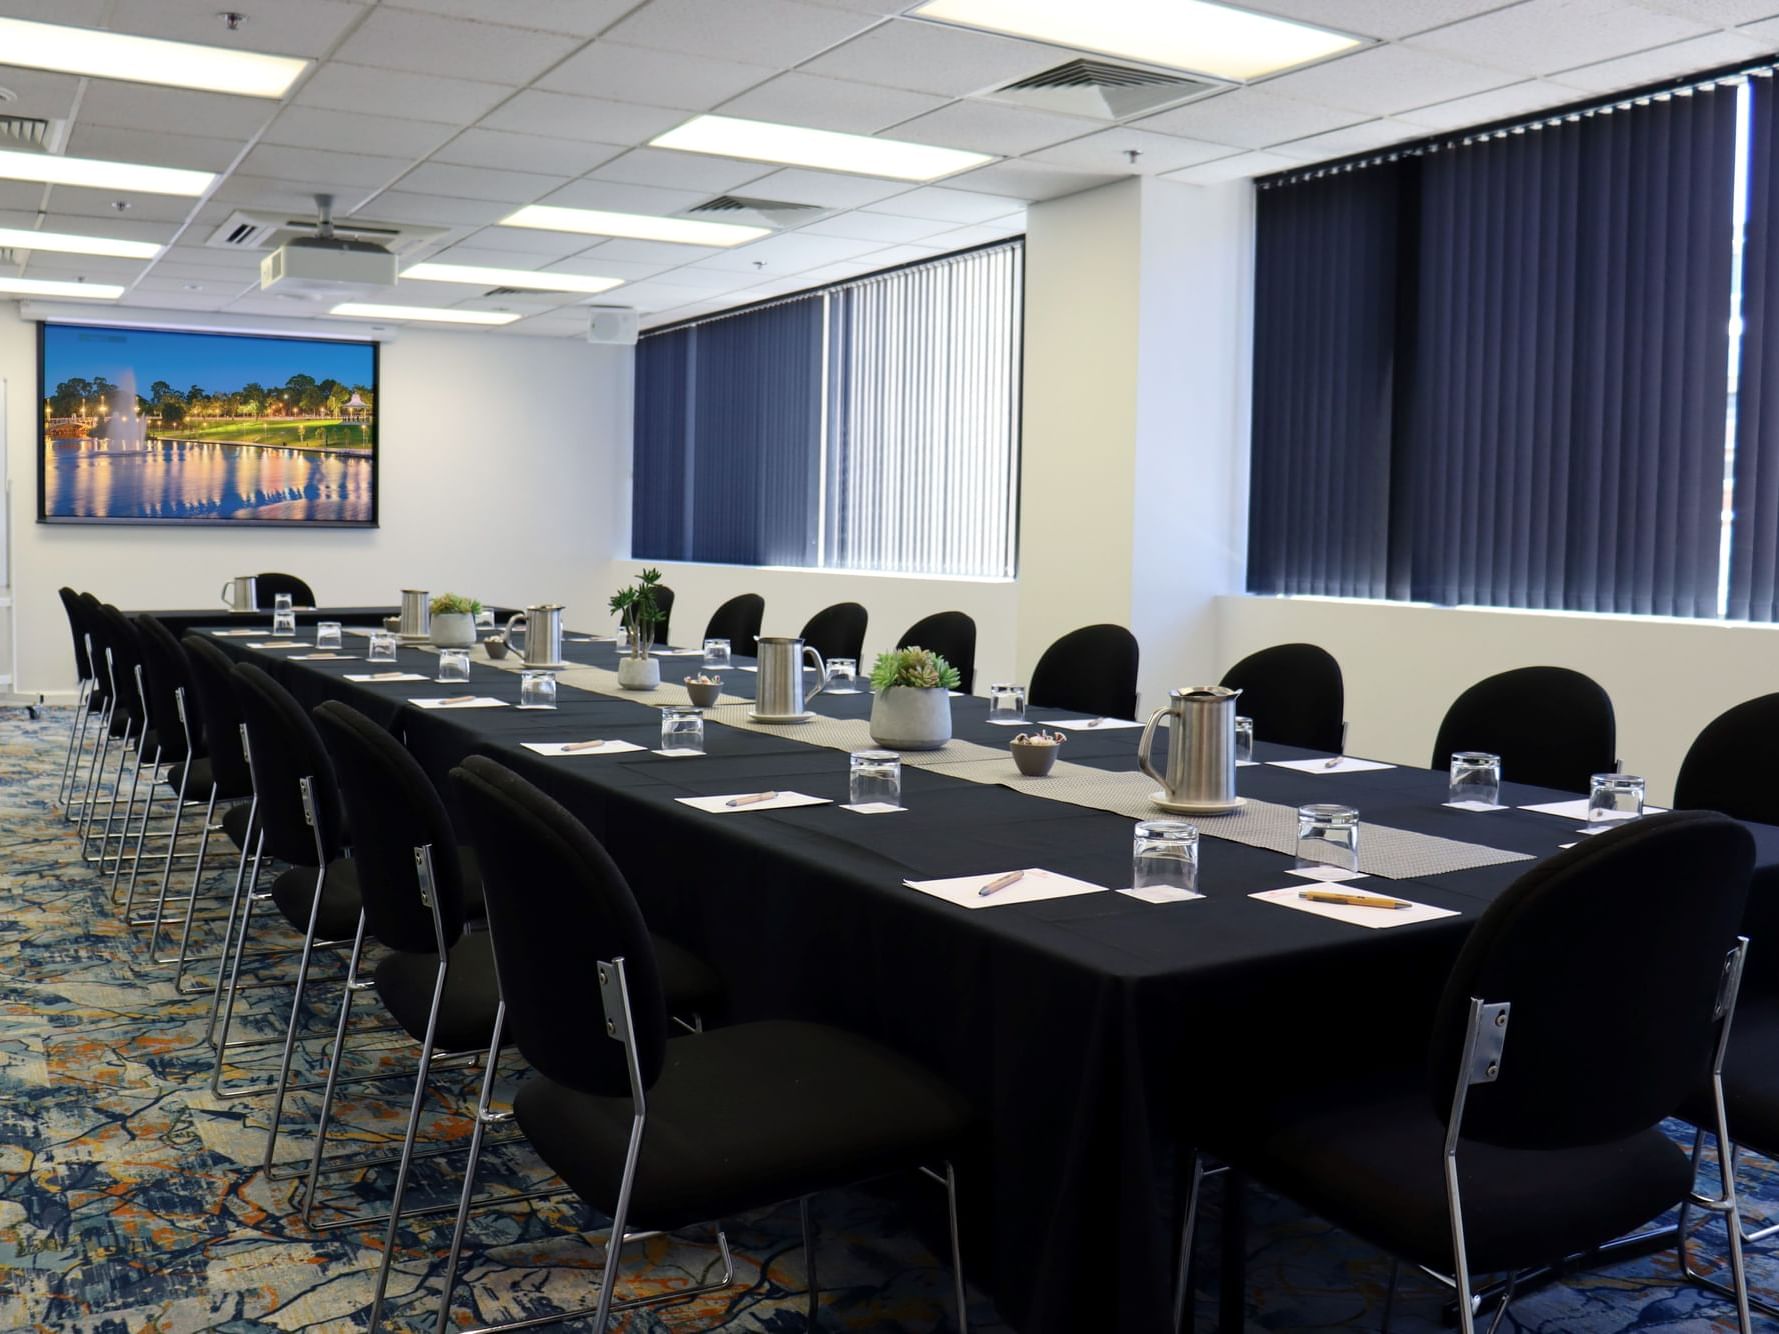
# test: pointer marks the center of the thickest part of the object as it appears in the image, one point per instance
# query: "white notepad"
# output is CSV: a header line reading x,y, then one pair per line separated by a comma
x,y
1034,885
1090,724
1292,897
1577,809
561,748
378,678
720,805
1344,764
452,702
1473,806
236,634
282,643
324,657
1163,894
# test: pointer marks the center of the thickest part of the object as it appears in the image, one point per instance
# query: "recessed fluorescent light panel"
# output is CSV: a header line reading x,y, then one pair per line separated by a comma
x,y
115,55
367,310
827,150
95,174
17,238
44,287
525,278
633,226
1183,34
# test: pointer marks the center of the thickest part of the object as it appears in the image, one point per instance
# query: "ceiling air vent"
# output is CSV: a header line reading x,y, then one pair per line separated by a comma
x,y
248,230
28,132
1103,90
775,213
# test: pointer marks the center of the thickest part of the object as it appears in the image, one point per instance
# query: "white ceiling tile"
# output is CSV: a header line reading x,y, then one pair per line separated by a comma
x,y
691,279
1352,139
20,196
788,252
338,86
1028,179
779,33
1501,104
1105,152
878,227
99,204
89,268
594,267
583,18
830,104
800,185
936,201
210,259
1232,168
283,27
164,150
656,78
172,270
549,325
1714,11
121,227
1542,36
988,127
526,241
1381,80
1665,62
435,210
85,13
1380,18
563,117
933,58
658,252
39,94
646,296
621,198
348,132
178,298
279,194
828,274
511,187
900,254
961,238
525,152
1248,118
683,171
133,106
277,161
460,48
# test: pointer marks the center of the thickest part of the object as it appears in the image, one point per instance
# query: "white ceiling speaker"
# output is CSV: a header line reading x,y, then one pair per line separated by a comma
x,y
613,324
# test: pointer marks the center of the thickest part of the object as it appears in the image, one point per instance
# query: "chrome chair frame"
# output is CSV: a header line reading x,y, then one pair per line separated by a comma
x,y
78,752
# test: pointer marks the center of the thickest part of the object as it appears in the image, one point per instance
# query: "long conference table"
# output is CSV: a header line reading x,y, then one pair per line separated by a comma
x,y
1087,1030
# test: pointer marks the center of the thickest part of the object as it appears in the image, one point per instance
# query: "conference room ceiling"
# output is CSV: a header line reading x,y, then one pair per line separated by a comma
x,y
449,114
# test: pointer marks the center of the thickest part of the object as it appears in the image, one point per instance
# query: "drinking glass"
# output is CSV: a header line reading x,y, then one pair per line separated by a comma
x,y
1476,776
876,776
716,653
382,647
1327,835
453,664
1164,854
327,634
282,602
1613,798
283,622
1244,739
485,619
682,728
843,676
1006,704
537,690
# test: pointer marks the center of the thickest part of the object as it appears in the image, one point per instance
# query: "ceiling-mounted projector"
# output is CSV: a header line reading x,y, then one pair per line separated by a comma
x,y
326,265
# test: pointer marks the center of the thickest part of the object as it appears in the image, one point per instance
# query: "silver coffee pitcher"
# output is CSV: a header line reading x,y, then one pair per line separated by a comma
x,y
779,689
416,617
542,627
241,593
1200,753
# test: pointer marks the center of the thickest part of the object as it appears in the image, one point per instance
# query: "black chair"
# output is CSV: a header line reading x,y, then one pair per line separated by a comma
x,y
1093,669
1295,696
1552,727
838,631
267,587
129,726
87,701
168,697
738,621
95,720
1727,767
1587,1003
950,634
736,1118
664,605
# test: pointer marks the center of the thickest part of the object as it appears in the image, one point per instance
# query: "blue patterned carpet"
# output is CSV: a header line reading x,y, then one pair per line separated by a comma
x,y
131,1199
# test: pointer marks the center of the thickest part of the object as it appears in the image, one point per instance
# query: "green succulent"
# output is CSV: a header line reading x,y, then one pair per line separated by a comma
x,y
452,604
919,668
636,606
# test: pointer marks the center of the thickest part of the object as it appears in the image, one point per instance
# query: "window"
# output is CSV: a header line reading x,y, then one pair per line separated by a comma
x,y
873,425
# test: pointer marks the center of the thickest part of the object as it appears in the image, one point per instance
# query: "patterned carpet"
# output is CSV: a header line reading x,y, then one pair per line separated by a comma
x,y
132,1199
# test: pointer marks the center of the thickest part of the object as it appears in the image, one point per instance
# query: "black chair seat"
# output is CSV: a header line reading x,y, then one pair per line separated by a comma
x,y
466,1009
203,776
294,894
234,823
1371,1162
803,1108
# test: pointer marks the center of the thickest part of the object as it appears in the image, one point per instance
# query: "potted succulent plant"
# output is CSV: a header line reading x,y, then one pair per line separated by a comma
x,y
912,710
636,605
454,620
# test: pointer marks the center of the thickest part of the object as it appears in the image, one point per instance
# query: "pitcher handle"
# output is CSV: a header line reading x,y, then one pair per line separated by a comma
x,y
820,667
1148,741
228,593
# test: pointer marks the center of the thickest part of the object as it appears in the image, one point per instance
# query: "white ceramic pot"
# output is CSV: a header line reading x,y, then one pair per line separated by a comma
x,y
454,629
907,718
639,673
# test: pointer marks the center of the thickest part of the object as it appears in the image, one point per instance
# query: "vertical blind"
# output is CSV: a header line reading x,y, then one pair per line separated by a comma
x,y
1754,535
873,425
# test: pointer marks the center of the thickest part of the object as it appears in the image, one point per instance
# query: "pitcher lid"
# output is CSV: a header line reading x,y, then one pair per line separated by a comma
x,y
1203,692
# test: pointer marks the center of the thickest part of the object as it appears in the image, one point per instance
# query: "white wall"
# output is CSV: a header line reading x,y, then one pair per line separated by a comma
x,y
496,476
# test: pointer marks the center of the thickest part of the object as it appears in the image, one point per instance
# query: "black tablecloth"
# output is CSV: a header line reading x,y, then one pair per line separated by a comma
x,y
181,621
1086,1030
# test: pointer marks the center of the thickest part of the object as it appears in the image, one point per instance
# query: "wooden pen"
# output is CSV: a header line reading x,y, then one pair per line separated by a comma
x,y
458,699
751,799
582,745
999,883
1351,900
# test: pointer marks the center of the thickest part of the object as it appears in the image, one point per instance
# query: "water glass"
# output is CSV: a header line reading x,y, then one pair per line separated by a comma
x,y
876,776
537,690
1006,704
282,602
1244,740
1476,776
327,634
716,653
485,619
682,728
1164,854
1327,835
843,676
453,664
283,622
1613,798
382,647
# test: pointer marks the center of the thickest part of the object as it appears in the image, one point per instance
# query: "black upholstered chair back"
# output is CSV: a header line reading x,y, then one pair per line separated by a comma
x,y
1294,694
284,748
116,636
209,675
1551,726
86,613
664,605
556,905
71,605
267,587
950,634
1093,669
1728,766
164,667
738,621
393,808
1611,955
838,631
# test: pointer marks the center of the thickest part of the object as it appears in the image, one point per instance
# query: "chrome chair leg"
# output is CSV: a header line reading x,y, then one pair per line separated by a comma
x,y
1188,1224
957,1252
813,1313
197,876
101,753
63,788
191,902
233,969
335,1056
296,1014
154,769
